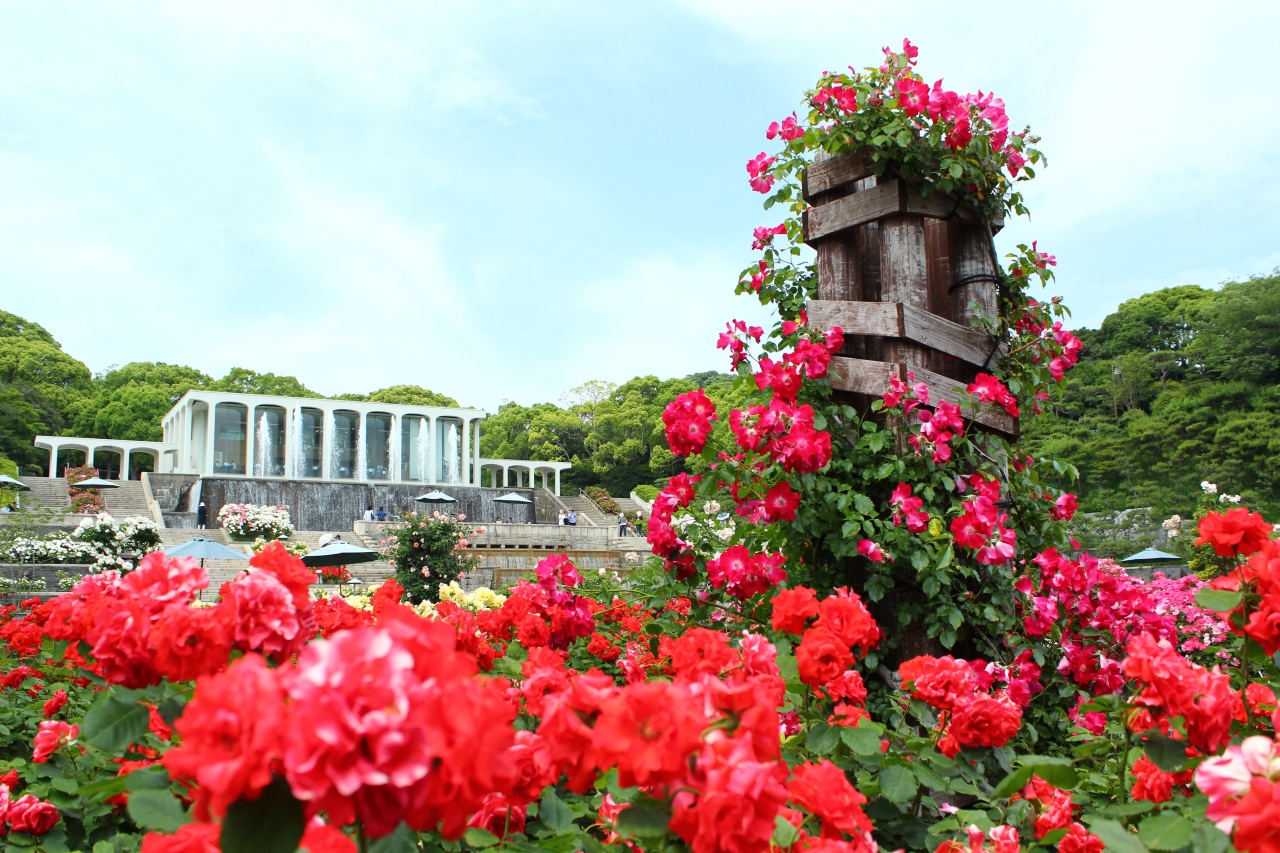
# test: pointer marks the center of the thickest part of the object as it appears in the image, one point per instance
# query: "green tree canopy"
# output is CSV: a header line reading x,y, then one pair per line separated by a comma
x,y
244,381
411,395
13,326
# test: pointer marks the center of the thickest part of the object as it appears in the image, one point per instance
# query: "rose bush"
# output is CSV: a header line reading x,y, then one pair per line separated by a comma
x,y
250,521
861,630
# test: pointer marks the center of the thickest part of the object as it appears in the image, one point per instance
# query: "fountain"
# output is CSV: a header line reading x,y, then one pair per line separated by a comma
x,y
262,464
451,472
333,445
423,474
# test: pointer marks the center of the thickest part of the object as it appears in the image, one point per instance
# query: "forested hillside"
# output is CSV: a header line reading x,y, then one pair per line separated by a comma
x,y
1178,386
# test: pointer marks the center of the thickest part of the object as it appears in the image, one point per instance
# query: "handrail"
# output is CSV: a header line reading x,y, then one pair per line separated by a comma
x,y
587,497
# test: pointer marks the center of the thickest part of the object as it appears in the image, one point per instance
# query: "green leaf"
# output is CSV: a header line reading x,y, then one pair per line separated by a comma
x,y
1220,600
554,813
477,837
898,784
642,821
1012,783
158,811
171,709
1115,836
403,840
1166,831
822,739
270,824
861,741
113,724
1166,753
1207,838
145,778
784,834
1055,770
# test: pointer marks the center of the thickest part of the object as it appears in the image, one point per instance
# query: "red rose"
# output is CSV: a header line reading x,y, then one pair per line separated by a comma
x,y
986,721
27,814
1236,531
1080,840
533,631
945,682
824,790
845,616
792,608
56,703
53,736
190,642
821,656
700,651
231,733
649,731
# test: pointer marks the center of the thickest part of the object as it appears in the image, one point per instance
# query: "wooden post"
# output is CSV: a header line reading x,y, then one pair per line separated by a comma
x,y
904,278
974,272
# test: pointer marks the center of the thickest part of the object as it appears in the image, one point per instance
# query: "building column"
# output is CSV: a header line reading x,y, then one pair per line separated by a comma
x,y
124,463
210,432
433,439
504,476
53,460
557,482
290,469
250,433
475,450
326,441
465,461
395,443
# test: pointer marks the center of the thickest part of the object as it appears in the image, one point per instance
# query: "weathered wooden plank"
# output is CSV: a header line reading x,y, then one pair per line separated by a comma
x,y
971,253
943,206
838,274
851,211
906,322
857,318
860,376
969,344
832,171
904,277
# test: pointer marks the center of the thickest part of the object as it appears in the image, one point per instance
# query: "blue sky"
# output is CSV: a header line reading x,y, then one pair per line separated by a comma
x,y
504,200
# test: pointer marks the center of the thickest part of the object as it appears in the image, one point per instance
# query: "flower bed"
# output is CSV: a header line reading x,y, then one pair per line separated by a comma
x,y
83,500
250,521
100,542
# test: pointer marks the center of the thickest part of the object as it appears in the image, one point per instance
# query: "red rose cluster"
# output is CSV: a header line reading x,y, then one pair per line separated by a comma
x,y
27,813
989,389
981,525
972,715
688,422
1259,581
1173,686
1054,810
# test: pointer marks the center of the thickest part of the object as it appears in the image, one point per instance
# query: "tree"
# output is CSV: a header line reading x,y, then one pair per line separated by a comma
x,y
19,425
245,381
53,383
412,395
1241,331
130,402
13,326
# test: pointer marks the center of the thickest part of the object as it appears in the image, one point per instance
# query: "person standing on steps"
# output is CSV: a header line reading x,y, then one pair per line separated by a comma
x,y
202,515
573,518
622,524
563,519
368,515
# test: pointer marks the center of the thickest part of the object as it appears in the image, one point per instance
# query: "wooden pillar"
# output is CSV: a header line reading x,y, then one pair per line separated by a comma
x,y
904,278
971,263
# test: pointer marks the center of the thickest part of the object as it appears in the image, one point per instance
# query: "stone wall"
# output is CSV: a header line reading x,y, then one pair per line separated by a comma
x,y
336,506
172,491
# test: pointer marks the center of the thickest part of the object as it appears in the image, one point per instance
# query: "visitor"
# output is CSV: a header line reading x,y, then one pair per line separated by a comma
x,y
562,521
573,518
368,515
382,513
622,523
639,524
202,516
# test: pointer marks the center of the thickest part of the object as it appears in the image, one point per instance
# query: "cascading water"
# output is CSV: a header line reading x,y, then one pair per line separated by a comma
x,y
333,445
262,465
423,474
451,472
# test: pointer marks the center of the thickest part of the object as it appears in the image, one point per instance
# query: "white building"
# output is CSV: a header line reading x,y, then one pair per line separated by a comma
x,y
223,434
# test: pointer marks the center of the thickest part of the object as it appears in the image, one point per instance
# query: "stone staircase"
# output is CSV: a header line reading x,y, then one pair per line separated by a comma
x,y
584,507
126,501
629,506
46,492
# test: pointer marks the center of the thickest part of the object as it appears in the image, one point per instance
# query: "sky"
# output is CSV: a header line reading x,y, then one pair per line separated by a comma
x,y
501,201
